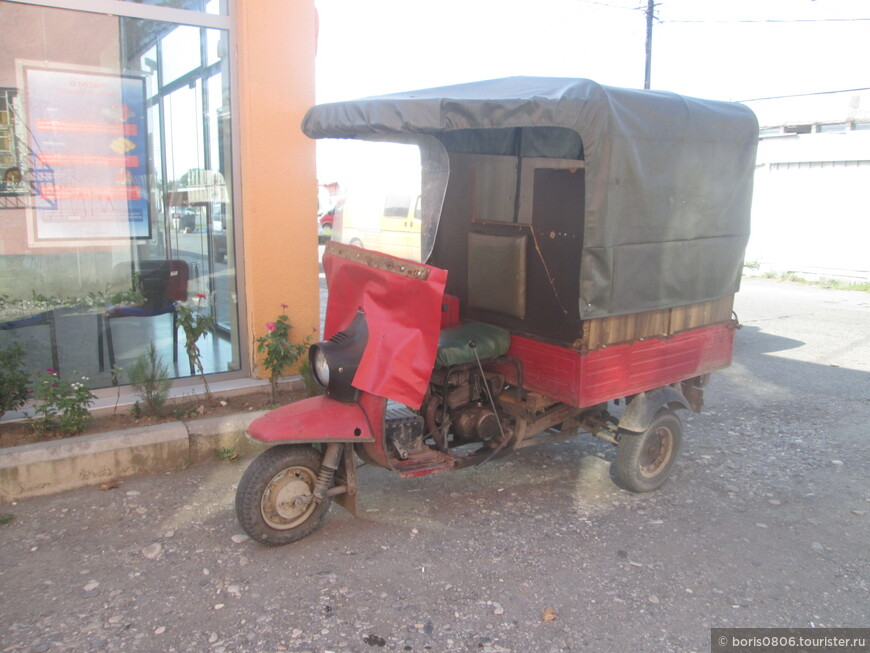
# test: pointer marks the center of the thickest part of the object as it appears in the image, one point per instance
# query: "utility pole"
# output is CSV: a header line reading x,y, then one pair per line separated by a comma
x,y
650,9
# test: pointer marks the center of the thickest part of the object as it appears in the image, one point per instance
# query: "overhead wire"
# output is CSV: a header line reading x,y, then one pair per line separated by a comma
x,y
771,20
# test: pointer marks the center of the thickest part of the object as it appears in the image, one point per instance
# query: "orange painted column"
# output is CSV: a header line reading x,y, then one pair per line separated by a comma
x,y
276,47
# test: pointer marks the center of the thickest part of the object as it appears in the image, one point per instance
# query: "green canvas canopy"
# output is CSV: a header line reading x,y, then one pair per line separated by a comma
x,y
668,178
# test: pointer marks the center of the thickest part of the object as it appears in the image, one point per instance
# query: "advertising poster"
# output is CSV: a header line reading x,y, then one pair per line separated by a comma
x,y
88,144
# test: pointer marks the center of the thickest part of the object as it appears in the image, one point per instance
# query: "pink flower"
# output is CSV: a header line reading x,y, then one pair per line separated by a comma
x,y
270,326
284,306
199,295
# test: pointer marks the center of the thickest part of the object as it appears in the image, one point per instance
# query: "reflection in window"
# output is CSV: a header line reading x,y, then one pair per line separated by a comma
x,y
8,151
121,133
216,7
833,128
13,179
180,53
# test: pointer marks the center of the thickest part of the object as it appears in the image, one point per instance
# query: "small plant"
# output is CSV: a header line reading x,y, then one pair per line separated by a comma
x,y
149,377
13,379
194,324
182,413
227,454
116,374
281,354
62,405
5,518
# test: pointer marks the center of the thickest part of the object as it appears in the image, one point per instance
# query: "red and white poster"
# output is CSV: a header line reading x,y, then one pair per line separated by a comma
x,y
88,157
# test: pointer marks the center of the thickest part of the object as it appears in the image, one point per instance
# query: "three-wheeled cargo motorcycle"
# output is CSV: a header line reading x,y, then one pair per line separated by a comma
x,y
580,246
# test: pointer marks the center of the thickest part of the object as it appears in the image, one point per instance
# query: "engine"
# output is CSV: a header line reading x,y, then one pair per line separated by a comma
x,y
457,410
460,398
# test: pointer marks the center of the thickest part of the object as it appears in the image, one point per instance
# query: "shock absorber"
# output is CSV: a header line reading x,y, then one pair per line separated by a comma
x,y
328,467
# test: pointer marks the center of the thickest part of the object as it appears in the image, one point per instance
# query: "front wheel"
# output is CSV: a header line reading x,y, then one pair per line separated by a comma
x,y
644,460
275,502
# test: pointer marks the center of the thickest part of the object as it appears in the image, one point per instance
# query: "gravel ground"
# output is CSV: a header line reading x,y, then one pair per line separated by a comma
x,y
764,522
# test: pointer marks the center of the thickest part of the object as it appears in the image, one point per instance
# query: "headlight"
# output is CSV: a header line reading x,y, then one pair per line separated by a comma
x,y
320,367
334,362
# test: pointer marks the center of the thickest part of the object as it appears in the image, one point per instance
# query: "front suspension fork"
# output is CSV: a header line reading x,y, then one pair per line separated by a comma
x,y
328,467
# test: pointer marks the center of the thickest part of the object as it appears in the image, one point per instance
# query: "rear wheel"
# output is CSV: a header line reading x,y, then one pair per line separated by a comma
x,y
275,499
644,460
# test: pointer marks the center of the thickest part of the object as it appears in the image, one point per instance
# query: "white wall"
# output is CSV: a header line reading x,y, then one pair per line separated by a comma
x,y
811,208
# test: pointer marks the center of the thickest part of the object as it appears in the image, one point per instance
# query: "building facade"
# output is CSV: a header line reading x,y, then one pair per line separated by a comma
x,y
151,155
810,213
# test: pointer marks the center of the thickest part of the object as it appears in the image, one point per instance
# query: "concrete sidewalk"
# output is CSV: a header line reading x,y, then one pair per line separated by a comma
x,y
59,465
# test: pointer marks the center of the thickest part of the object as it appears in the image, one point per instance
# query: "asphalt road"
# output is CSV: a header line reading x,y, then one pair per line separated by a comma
x,y
765,522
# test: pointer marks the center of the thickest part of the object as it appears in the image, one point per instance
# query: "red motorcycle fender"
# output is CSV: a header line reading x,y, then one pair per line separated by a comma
x,y
317,419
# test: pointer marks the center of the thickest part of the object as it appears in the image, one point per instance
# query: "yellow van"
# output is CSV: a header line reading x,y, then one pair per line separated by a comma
x,y
380,205
386,223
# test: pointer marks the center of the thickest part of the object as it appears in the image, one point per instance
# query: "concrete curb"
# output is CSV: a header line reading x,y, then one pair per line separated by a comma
x,y
59,465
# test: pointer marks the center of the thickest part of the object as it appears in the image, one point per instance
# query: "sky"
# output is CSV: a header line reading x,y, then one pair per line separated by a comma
x,y
730,50
726,50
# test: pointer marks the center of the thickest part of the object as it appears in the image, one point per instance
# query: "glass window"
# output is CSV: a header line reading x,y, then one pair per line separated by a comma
x,y
216,7
216,46
120,131
397,206
180,52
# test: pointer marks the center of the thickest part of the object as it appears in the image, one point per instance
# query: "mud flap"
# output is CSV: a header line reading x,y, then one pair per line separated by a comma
x,y
643,408
346,475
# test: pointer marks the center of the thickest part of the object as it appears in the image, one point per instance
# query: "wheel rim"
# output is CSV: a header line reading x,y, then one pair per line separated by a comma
x,y
657,452
288,499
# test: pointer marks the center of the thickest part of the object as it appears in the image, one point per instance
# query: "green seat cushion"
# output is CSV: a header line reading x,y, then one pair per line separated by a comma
x,y
453,346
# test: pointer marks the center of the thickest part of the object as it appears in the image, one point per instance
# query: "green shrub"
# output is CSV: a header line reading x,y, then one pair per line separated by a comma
x,y
13,379
280,353
61,405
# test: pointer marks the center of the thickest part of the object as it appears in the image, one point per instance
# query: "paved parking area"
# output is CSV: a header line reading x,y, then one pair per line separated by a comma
x,y
765,522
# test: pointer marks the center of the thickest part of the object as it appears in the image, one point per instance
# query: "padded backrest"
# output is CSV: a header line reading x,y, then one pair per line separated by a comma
x,y
176,286
161,281
497,273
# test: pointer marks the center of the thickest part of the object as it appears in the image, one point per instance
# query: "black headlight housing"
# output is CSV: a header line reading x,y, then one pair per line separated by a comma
x,y
334,362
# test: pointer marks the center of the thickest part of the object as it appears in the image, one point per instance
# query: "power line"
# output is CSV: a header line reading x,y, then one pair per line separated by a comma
x,y
772,20
642,7
612,6
783,97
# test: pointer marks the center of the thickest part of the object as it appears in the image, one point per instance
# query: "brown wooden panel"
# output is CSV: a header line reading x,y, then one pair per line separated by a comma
x,y
609,331
624,328
698,315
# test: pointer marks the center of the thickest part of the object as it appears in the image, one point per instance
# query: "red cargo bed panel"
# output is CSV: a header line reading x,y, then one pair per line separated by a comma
x,y
587,378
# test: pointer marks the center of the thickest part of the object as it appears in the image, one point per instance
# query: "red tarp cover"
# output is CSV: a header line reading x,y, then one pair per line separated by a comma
x,y
402,305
